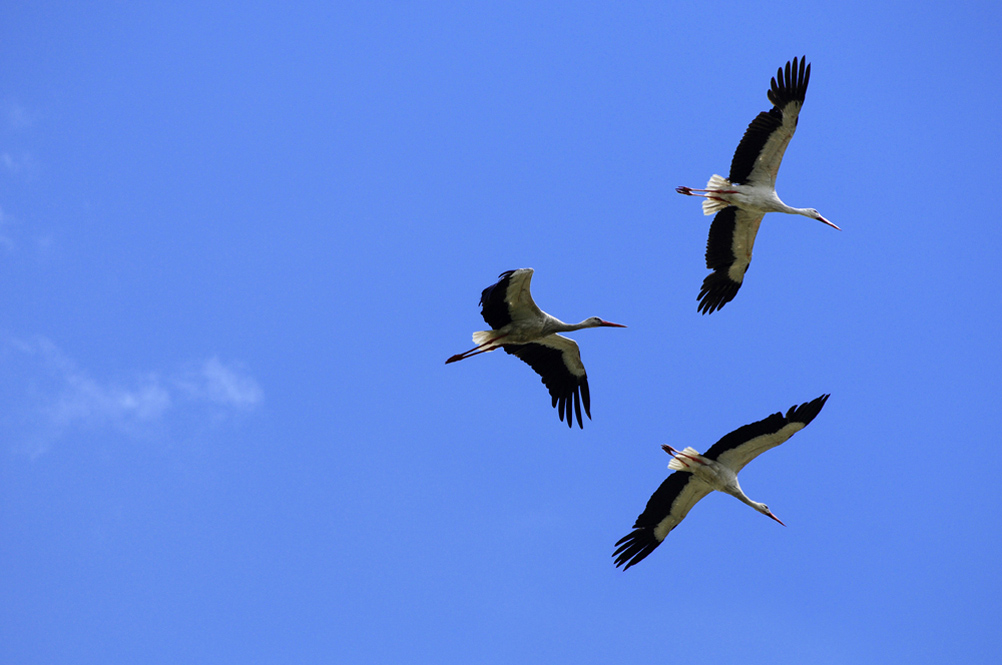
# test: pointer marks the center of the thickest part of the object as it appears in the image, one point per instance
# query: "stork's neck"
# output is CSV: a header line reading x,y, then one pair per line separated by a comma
x,y
760,507
555,325
775,204
734,489
779,206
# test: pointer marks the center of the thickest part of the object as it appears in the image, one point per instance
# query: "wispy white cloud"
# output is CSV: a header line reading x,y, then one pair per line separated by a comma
x,y
57,397
85,400
226,386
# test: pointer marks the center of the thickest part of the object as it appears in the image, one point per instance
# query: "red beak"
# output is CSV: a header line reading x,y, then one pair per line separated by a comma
x,y
775,518
825,221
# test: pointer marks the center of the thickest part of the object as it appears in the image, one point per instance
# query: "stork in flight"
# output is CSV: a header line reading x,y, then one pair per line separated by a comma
x,y
741,200
522,329
697,475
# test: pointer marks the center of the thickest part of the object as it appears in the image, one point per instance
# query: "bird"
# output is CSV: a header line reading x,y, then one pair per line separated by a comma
x,y
522,329
697,475
741,200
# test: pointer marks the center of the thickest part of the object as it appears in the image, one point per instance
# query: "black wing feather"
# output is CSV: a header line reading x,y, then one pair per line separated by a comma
x,y
807,411
493,306
634,547
564,387
718,288
804,413
720,243
791,87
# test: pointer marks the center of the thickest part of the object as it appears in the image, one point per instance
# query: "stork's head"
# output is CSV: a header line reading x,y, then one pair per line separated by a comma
x,y
764,509
814,214
595,322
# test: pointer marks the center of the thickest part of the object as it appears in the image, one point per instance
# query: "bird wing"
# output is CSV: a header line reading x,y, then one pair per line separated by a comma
x,y
746,443
757,159
668,506
728,254
558,361
494,304
508,299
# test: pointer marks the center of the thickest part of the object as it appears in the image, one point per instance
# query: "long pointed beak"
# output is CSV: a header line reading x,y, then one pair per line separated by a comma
x,y
775,518
825,221
613,325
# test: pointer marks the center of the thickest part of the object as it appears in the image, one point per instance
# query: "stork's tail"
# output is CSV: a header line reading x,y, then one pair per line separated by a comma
x,y
713,206
685,460
482,337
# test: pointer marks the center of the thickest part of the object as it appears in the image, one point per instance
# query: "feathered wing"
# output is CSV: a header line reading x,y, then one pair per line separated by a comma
x,y
728,255
682,490
668,506
520,297
746,443
509,298
557,360
761,149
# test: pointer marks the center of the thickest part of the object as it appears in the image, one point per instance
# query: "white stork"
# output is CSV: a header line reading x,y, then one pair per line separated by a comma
x,y
697,475
522,329
741,200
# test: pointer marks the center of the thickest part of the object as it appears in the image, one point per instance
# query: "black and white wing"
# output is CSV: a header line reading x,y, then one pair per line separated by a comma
x,y
728,255
558,361
761,149
666,508
508,299
746,443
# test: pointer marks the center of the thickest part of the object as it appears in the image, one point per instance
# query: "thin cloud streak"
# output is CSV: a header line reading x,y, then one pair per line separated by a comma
x,y
56,397
226,386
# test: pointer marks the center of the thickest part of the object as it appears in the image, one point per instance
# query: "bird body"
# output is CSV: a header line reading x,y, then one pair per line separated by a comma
x,y
697,475
522,329
754,197
741,200
716,475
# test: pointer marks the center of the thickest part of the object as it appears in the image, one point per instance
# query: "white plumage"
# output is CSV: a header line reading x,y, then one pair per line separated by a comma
x,y
741,200
697,475
522,329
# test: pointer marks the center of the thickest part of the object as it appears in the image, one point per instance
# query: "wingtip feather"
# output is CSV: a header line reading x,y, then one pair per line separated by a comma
x,y
634,547
718,289
807,411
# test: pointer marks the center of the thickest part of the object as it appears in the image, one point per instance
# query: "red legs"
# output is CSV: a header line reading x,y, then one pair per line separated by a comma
x,y
689,191
478,349
468,354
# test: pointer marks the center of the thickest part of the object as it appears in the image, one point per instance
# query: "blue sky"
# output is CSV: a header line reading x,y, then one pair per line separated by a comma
x,y
238,242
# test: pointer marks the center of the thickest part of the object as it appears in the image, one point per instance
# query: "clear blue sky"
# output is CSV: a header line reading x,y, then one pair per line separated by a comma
x,y
238,242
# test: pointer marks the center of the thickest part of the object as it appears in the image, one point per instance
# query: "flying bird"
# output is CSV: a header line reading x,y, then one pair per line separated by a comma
x,y
522,329
697,475
741,200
